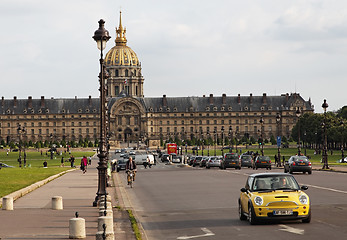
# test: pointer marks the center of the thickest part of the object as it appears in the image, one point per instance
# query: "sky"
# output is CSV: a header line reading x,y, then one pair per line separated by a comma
x,y
186,47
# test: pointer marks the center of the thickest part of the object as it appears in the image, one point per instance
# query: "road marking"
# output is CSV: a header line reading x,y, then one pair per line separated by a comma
x,y
324,188
205,230
291,229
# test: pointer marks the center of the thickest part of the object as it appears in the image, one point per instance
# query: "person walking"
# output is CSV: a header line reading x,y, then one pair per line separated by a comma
x,y
84,163
62,162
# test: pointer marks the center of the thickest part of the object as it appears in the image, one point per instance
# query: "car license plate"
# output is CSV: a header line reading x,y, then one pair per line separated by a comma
x,y
232,163
283,212
263,162
301,163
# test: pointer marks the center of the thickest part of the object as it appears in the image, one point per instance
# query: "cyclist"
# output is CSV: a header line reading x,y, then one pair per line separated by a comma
x,y
131,166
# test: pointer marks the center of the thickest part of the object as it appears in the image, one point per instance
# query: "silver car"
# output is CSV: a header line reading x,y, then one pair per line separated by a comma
x,y
213,162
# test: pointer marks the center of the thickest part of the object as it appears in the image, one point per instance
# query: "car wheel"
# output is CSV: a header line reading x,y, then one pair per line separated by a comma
x,y
241,214
310,172
270,168
117,169
207,167
308,219
285,170
251,215
290,171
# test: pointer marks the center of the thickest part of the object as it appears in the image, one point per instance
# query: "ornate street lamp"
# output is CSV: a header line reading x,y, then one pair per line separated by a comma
x,y
208,143
303,142
197,143
101,36
325,154
215,142
342,123
230,134
278,121
222,140
20,130
261,135
202,142
298,114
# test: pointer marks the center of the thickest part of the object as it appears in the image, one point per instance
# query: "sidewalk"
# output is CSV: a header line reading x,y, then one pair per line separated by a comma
x,y
33,218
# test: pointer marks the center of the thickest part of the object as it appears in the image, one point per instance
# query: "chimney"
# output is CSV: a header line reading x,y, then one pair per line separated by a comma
x,y
30,102
14,101
224,99
42,101
250,98
2,101
264,98
287,97
164,101
90,100
211,99
238,98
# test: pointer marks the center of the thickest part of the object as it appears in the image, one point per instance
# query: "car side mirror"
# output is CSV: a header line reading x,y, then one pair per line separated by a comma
x,y
304,188
243,190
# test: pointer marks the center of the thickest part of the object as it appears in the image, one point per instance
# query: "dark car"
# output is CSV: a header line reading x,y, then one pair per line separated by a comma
x,y
298,164
121,164
231,160
196,161
165,158
203,162
246,161
262,162
191,160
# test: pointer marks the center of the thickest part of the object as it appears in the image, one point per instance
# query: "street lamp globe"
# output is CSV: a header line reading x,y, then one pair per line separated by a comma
x,y
101,35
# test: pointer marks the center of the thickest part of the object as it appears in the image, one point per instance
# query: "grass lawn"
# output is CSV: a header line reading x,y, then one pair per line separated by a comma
x,y
13,179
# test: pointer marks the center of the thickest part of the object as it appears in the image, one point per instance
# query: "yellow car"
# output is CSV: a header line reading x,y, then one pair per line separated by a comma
x,y
273,196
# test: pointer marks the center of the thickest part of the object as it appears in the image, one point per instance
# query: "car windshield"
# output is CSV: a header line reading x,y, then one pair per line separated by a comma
x,y
121,161
246,157
273,183
264,158
231,156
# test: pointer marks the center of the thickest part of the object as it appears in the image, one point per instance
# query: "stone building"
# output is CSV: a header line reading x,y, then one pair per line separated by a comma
x,y
136,118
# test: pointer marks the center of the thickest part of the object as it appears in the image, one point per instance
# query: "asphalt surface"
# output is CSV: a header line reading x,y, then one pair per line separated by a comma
x,y
33,217
163,212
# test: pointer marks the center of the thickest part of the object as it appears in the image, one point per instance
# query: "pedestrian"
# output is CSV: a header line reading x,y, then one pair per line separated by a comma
x,y
7,152
84,163
45,164
72,160
131,165
62,162
148,162
90,160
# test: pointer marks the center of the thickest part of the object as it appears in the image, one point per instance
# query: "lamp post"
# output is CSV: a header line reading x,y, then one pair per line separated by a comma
x,y
101,36
208,143
342,123
261,135
278,121
20,130
303,142
230,133
298,114
197,142
202,142
325,154
215,142
222,140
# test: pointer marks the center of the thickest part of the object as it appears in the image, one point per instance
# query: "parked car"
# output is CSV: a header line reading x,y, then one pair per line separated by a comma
x,y
175,158
191,160
262,162
4,165
298,164
165,157
342,160
246,161
196,161
121,164
213,162
274,196
203,162
231,160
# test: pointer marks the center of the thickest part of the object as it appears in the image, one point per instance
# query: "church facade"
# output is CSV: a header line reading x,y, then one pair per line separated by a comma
x,y
132,117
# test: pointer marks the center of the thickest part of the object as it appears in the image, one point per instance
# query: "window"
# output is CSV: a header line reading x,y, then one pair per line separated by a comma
x,y
63,131
215,121
72,131
126,73
207,121
54,124
47,131
87,124
116,90
168,122
87,130
47,124
160,129
72,124
128,120
32,124
182,122
40,124
32,132
63,124
94,131
80,130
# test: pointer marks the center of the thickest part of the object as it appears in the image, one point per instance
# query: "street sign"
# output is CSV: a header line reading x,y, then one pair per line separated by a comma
x,y
278,141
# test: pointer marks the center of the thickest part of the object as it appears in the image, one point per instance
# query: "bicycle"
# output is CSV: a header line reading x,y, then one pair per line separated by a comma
x,y
130,177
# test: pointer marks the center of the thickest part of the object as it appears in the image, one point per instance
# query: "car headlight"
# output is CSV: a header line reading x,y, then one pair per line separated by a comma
x,y
258,200
303,199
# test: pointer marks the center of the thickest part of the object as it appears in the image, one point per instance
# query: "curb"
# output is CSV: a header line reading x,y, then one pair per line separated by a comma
x,y
21,192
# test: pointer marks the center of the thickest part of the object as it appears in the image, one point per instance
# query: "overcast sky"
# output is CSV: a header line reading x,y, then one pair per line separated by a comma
x,y
186,47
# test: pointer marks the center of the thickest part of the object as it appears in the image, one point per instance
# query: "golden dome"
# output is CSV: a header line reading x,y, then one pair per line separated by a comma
x,y
121,54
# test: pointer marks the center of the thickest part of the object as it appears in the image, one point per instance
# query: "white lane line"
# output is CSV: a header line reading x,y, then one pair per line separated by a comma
x,y
291,229
324,188
205,230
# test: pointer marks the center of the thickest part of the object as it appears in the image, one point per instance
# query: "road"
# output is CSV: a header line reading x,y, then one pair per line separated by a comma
x,y
173,202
